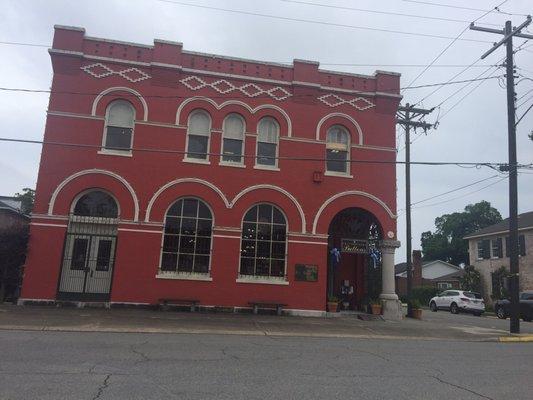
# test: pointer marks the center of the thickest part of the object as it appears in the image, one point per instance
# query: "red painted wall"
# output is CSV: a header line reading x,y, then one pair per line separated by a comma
x,y
76,116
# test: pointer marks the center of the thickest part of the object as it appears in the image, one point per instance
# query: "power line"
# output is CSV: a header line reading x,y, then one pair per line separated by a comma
x,y
464,195
454,190
459,7
451,44
170,151
379,12
26,90
24,44
316,22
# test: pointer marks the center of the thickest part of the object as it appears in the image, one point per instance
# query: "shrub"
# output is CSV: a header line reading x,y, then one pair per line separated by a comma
x,y
423,294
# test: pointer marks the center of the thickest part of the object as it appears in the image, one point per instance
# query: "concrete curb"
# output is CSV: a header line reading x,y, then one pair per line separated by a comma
x,y
516,339
100,329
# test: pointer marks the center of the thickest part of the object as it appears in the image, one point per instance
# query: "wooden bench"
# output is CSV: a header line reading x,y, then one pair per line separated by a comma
x,y
164,303
256,305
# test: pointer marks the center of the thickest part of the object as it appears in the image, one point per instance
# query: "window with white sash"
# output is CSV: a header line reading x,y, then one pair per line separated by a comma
x,y
198,135
338,150
267,142
119,124
233,139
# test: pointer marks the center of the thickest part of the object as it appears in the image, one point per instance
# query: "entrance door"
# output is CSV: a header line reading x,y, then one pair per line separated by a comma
x,y
87,267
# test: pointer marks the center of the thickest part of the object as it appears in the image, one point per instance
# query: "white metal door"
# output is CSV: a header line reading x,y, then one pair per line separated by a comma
x,y
100,264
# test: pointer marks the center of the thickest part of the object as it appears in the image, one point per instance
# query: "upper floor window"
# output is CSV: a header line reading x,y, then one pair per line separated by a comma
x,y
263,244
233,139
496,245
198,134
483,249
337,150
521,246
267,142
119,123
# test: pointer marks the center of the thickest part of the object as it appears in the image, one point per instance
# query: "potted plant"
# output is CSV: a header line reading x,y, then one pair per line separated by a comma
x,y
416,309
375,305
333,303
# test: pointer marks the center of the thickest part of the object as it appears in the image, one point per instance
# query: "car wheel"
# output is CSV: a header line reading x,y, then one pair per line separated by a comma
x,y
454,309
500,313
433,306
477,314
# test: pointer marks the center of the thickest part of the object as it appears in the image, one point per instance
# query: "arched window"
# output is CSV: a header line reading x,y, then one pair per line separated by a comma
x,y
337,149
267,142
198,133
119,123
96,204
187,239
233,139
264,242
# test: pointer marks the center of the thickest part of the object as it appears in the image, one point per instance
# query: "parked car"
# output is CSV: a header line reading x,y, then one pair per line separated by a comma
x,y
503,307
457,301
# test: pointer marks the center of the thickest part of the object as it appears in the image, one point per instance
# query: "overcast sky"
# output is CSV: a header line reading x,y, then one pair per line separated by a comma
x,y
474,131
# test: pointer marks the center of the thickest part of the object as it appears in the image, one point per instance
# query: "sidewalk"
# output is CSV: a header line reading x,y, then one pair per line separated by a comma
x,y
46,318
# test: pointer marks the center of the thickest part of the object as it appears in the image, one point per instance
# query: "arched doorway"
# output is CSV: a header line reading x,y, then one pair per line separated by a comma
x,y
89,250
354,259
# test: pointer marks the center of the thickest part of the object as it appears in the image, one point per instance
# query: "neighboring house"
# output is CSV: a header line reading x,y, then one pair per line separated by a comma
x,y
211,178
488,251
13,241
440,274
11,216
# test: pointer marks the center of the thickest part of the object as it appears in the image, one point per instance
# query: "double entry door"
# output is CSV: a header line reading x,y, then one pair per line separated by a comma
x,y
88,261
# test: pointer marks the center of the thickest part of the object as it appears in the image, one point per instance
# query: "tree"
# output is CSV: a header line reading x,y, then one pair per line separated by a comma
x,y
27,198
471,280
447,242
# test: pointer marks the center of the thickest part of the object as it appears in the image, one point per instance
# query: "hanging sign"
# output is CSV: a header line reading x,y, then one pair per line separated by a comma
x,y
354,246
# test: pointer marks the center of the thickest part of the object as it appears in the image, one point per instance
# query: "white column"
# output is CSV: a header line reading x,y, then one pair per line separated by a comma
x,y
392,307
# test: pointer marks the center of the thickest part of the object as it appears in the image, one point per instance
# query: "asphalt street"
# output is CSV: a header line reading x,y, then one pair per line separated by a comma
x,y
92,365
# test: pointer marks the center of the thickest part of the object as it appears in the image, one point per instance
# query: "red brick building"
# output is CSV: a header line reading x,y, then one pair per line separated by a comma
x,y
197,176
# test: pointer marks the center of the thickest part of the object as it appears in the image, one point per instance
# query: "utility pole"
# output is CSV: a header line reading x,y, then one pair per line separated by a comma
x,y
508,32
405,117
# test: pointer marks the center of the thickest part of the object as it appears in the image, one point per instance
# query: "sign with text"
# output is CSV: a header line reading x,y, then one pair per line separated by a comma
x,y
354,246
306,272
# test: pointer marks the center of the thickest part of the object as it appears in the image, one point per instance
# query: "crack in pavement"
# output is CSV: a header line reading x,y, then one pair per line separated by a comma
x,y
140,353
460,387
102,387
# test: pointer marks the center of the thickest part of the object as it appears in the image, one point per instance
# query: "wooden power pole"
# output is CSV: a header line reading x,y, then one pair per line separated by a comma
x,y
408,116
508,32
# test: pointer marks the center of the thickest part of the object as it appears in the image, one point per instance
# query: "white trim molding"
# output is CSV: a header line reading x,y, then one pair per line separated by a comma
x,y
350,193
277,189
235,102
177,182
43,224
95,171
341,115
118,89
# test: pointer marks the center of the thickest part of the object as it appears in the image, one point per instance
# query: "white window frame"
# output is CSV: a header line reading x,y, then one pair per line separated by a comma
x,y
333,146
444,285
186,157
104,150
239,164
262,278
274,167
184,275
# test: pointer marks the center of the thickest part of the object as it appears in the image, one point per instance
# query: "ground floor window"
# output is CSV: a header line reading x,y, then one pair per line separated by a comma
x,y
187,237
263,244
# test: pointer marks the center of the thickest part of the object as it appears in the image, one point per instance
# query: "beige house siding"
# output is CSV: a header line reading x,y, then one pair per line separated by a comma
x,y
487,266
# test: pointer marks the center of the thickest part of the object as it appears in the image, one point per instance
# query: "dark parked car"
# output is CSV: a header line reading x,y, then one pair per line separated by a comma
x,y
503,307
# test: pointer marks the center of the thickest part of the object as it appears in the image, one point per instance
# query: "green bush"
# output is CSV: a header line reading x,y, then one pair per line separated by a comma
x,y
423,294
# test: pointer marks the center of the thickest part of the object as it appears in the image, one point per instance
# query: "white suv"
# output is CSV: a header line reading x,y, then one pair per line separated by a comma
x,y
458,300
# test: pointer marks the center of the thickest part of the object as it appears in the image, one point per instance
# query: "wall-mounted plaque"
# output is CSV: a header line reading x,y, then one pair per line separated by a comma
x,y
354,246
306,273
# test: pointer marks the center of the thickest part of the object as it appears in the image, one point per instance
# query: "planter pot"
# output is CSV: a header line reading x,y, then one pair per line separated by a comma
x,y
376,309
417,313
332,306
